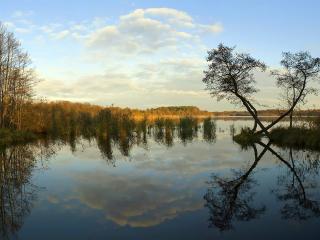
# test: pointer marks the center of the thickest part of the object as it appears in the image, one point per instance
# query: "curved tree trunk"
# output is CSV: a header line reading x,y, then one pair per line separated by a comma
x,y
253,113
290,110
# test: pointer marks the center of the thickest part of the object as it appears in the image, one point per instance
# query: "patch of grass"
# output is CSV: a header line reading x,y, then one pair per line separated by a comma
x,y
11,137
246,138
296,137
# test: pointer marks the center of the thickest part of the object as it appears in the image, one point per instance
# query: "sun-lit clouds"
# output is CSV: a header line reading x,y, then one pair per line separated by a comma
x,y
89,88
90,39
153,73
164,82
144,58
20,22
150,189
62,34
214,28
121,89
174,16
136,201
147,31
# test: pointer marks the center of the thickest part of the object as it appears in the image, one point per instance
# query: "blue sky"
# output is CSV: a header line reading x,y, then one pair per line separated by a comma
x,y
151,53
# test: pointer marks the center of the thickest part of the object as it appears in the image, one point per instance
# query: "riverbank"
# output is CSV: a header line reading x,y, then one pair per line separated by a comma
x,y
296,137
12,137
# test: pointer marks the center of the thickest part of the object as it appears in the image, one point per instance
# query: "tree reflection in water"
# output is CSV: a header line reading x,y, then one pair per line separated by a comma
x,y
229,198
17,193
296,187
232,198
162,131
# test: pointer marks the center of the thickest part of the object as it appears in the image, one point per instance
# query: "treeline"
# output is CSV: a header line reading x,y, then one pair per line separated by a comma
x,y
44,117
171,112
68,121
59,116
268,113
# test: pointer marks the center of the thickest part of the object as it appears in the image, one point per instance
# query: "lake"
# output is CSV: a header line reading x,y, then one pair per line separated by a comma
x,y
160,187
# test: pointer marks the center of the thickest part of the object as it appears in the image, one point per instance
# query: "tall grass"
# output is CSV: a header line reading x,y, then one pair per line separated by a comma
x,y
209,129
296,137
246,138
188,128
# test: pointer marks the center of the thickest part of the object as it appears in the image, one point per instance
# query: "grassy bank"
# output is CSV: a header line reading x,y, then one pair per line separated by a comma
x,y
246,137
297,137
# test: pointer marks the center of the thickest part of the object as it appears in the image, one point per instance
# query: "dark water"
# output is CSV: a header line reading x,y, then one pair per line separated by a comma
x,y
160,188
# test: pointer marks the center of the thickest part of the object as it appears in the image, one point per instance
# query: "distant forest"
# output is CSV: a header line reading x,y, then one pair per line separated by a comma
x,y
269,113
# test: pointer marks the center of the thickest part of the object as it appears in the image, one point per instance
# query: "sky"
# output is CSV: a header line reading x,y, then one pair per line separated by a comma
x,y
144,54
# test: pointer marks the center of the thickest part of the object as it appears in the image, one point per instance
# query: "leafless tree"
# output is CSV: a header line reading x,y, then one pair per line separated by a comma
x,y
16,79
293,79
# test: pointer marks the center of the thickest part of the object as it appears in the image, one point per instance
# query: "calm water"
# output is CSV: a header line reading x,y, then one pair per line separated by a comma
x,y
160,188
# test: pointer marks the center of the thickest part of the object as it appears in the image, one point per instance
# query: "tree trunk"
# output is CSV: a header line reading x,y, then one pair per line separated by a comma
x,y
253,113
290,109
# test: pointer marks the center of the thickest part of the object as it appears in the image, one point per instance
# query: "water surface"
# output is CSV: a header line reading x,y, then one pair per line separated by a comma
x,y
160,187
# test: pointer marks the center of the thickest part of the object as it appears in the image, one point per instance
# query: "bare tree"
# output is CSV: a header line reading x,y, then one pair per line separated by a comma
x,y
230,76
299,69
16,80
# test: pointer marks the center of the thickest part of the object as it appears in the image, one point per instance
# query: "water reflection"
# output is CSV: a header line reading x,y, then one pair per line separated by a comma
x,y
135,201
162,189
231,198
297,187
163,131
18,193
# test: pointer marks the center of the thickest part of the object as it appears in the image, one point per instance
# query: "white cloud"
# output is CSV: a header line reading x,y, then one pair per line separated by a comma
x,y
9,24
164,81
149,30
152,57
61,35
176,17
22,30
128,204
213,28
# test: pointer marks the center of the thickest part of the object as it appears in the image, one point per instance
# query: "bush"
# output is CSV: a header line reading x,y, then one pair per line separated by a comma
x,y
246,137
297,137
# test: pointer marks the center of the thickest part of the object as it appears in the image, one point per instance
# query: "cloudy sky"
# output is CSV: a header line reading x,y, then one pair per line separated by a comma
x,y
152,53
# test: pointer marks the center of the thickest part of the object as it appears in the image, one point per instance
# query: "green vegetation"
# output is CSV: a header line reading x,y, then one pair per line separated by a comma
x,y
13,137
66,121
188,128
209,129
246,137
296,137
